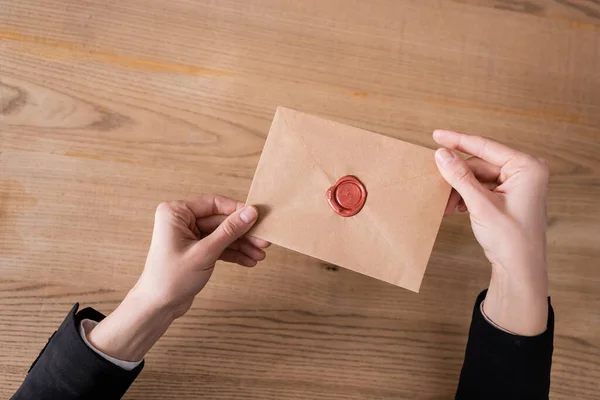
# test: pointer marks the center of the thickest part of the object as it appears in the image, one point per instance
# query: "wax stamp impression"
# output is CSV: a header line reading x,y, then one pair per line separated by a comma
x,y
347,197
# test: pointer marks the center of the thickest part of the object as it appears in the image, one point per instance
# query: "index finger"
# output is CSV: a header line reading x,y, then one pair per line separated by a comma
x,y
484,148
212,204
211,222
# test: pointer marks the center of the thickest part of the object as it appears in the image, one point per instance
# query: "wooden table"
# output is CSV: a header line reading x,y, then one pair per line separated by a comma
x,y
109,107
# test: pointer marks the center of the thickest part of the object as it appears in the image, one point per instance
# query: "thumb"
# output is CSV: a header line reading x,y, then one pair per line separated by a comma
x,y
232,228
458,174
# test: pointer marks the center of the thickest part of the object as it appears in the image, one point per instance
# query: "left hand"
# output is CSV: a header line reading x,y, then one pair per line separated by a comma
x,y
189,237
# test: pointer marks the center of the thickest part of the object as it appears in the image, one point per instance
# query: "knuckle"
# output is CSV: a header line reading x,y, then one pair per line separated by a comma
x,y
164,208
542,161
540,168
461,173
530,160
229,228
169,207
484,146
520,159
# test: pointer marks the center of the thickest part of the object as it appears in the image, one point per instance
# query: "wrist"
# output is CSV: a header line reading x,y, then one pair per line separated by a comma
x,y
145,309
131,330
518,302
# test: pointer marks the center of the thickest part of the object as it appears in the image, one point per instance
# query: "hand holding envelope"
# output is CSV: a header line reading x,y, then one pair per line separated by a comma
x,y
391,236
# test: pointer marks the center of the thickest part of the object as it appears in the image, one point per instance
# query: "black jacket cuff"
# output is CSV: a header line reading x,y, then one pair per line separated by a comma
x,y
500,365
67,368
527,345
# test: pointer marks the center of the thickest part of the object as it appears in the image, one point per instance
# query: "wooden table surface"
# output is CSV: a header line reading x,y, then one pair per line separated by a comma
x,y
109,107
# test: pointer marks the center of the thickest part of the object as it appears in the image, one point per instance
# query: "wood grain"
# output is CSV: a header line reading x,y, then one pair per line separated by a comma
x,y
572,11
107,108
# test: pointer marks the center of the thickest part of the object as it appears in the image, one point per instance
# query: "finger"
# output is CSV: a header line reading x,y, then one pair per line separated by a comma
x,y
244,246
196,231
484,148
490,185
169,211
461,207
453,201
211,205
210,223
458,174
483,170
260,243
251,251
236,257
231,229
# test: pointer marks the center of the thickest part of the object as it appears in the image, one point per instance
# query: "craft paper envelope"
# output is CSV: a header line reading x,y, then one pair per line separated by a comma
x,y
390,239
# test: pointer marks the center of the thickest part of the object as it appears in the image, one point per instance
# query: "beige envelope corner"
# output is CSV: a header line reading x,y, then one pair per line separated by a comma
x,y
390,239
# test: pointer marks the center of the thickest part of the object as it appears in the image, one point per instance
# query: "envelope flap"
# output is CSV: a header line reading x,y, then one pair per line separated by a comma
x,y
288,161
341,149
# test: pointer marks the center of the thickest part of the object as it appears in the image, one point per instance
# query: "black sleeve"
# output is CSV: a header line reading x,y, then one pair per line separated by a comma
x,y
499,365
68,369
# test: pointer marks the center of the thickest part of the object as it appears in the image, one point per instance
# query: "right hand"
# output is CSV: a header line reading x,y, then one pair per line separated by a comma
x,y
504,192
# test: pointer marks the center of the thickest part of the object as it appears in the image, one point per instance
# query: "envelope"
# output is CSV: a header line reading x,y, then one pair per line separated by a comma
x,y
390,238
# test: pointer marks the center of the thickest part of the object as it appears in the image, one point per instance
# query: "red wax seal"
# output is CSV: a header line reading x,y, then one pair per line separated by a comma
x,y
347,197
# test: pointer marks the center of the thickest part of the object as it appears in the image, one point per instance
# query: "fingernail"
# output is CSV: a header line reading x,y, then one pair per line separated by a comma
x,y
248,214
444,157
